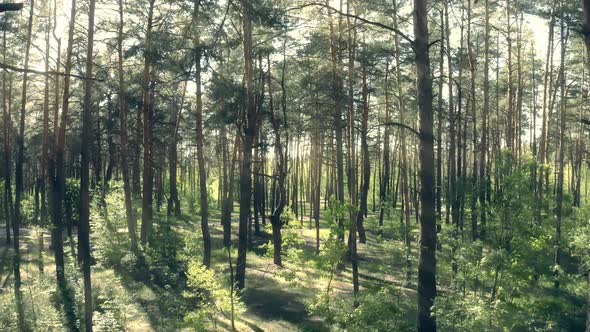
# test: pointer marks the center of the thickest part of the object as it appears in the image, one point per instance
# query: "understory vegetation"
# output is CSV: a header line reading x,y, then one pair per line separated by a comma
x,y
295,165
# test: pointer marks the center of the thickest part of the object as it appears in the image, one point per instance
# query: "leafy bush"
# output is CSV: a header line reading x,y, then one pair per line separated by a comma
x,y
72,201
162,255
375,310
214,298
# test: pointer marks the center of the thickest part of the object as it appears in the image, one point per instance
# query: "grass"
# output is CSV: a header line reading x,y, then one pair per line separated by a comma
x,y
137,303
139,297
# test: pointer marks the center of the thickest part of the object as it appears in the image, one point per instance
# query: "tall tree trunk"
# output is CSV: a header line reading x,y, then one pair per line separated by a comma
x,y
337,92
249,129
200,142
136,153
173,200
427,258
404,165
547,88
439,138
352,176
520,93
84,226
57,167
280,173
44,147
317,162
564,31
7,167
19,181
96,153
484,126
461,133
386,163
510,130
474,187
586,9
452,127
129,212
365,159
148,179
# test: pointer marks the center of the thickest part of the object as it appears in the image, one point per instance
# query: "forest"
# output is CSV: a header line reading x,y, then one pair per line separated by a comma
x,y
295,165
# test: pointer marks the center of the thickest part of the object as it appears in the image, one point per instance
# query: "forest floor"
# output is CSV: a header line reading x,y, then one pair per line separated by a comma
x,y
272,303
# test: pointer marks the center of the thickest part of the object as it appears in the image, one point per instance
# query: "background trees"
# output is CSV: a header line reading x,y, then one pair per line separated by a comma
x,y
321,124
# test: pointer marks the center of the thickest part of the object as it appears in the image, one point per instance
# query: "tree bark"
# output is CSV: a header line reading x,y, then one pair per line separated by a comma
x,y
148,179
280,174
366,161
57,166
564,31
386,163
129,211
200,143
84,226
472,96
484,126
338,126
439,139
452,127
173,200
427,259
586,10
7,167
20,159
403,165
352,176
510,124
249,129
547,88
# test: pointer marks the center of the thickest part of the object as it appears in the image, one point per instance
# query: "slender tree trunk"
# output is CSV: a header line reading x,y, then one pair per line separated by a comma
x,y
386,169
547,88
280,173
452,131
461,133
335,41
404,165
57,167
84,226
7,167
45,148
19,181
427,258
474,230
519,96
136,152
200,143
484,126
352,176
365,158
510,130
148,179
562,109
439,139
173,200
129,212
250,120
318,160
229,194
